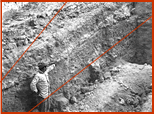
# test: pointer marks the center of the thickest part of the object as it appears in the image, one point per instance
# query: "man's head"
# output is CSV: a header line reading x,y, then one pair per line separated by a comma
x,y
42,66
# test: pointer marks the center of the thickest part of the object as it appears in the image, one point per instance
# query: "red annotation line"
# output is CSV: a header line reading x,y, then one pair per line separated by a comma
x,y
34,40
90,64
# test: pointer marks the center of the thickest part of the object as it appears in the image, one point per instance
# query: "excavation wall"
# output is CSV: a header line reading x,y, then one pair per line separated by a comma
x,y
80,33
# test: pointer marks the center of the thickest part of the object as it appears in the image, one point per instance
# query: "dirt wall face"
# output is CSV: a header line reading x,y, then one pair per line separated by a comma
x,y
144,33
80,33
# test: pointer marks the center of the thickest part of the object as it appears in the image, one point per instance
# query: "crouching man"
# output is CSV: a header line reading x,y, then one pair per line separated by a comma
x,y
41,85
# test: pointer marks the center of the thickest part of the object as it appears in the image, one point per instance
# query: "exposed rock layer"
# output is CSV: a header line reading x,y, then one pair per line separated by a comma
x,y
78,35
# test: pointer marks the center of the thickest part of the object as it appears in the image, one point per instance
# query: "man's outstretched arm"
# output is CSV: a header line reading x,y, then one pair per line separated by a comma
x,y
51,67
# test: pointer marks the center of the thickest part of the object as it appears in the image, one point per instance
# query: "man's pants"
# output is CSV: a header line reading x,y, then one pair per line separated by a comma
x,y
44,106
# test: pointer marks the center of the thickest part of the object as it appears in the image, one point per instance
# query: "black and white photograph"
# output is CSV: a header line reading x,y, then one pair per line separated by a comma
x,y
76,56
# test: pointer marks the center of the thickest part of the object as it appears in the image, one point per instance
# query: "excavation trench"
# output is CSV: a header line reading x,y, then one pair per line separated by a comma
x,y
120,80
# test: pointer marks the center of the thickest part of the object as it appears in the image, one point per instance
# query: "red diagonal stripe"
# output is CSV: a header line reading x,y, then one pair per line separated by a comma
x,y
33,41
90,64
